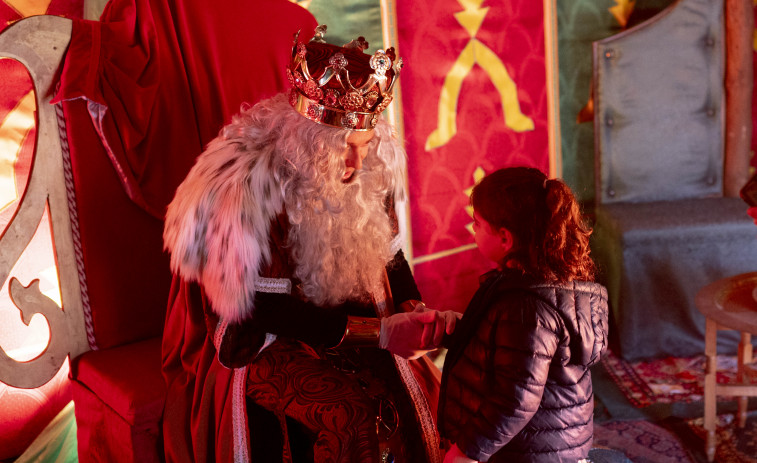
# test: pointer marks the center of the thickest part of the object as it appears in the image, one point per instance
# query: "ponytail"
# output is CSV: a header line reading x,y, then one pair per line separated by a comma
x,y
566,238
551,240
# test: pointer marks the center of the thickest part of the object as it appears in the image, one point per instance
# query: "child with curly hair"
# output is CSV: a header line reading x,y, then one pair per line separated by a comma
x,y
516,385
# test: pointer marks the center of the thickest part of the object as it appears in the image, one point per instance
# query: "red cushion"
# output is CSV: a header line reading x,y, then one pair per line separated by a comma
x,y
102,436
126,378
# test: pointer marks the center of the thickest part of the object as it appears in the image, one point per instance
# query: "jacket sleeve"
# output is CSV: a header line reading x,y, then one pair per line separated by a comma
x,y
521,339
288,316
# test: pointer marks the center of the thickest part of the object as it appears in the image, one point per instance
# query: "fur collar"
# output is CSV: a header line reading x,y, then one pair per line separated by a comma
x,y
217,226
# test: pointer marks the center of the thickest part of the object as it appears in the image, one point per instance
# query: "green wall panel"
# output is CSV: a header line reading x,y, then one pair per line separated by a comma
x,y
579,23
349,19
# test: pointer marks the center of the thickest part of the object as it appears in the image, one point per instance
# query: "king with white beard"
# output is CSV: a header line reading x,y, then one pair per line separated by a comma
x,y
291,289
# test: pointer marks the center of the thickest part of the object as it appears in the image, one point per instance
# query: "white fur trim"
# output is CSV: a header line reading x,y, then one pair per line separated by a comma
x,y
217,227
396,245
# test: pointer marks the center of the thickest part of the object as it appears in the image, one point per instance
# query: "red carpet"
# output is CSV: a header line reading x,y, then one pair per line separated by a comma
x,y
734,445
678,440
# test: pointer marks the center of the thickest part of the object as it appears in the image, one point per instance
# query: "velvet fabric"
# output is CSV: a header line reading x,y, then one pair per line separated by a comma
x,y
158,87
127,378
126,271
119,395
103,436
655,257
162,79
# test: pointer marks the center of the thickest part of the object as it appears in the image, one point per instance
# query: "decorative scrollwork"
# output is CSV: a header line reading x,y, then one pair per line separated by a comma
x,y
39,43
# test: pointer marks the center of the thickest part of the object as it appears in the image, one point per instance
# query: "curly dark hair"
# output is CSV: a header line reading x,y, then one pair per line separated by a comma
x,y
551,239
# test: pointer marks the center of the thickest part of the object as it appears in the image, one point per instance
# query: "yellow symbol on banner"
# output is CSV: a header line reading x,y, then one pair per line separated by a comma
x,y
622,11
26,8
478,174
13,131
475,52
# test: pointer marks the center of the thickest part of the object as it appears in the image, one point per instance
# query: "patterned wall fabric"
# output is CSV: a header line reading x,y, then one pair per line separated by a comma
x,y
474,98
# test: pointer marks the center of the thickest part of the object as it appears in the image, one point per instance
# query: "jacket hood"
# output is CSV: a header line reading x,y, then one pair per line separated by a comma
x,y
584,310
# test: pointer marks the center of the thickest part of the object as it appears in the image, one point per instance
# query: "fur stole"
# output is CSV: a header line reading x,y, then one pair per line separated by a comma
x,y
217,226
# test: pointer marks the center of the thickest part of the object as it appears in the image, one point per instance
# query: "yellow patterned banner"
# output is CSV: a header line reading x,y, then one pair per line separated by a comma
x,y
475,98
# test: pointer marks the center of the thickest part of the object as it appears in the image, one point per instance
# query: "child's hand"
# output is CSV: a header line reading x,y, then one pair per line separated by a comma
x,y
454,455
444,322
403,333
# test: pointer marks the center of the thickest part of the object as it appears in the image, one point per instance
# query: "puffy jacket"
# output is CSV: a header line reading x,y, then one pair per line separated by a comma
x,y
516,385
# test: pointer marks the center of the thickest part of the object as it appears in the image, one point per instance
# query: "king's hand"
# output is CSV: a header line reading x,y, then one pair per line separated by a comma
x,y
413,334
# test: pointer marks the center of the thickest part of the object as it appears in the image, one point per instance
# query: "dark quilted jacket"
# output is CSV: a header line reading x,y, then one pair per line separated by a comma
x,y
516,385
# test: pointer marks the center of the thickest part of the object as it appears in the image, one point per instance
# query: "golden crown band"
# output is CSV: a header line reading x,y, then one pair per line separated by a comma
x,y
316,112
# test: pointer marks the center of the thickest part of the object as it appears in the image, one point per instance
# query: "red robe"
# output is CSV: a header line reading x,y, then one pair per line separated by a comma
x,y
205,415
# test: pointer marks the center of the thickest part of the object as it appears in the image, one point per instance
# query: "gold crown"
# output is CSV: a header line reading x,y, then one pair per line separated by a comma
x,y
341,86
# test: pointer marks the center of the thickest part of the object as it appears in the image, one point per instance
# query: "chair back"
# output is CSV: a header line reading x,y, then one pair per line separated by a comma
x,y
659,110
114,276
39,43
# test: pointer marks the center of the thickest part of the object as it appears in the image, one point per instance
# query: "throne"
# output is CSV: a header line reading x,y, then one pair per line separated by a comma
x,y
670,158
114,277
106,222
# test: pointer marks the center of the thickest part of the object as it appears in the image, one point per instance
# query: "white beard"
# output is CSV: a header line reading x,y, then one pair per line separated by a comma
x,y
269,160
341,244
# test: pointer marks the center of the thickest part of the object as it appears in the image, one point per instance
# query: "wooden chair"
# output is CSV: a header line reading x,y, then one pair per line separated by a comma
x,y
728,304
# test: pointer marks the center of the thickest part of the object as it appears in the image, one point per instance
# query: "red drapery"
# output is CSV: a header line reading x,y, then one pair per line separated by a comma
x,y
170,78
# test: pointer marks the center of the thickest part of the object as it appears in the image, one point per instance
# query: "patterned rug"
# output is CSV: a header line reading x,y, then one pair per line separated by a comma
x,y
666,380
642,442
679,441
734,445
